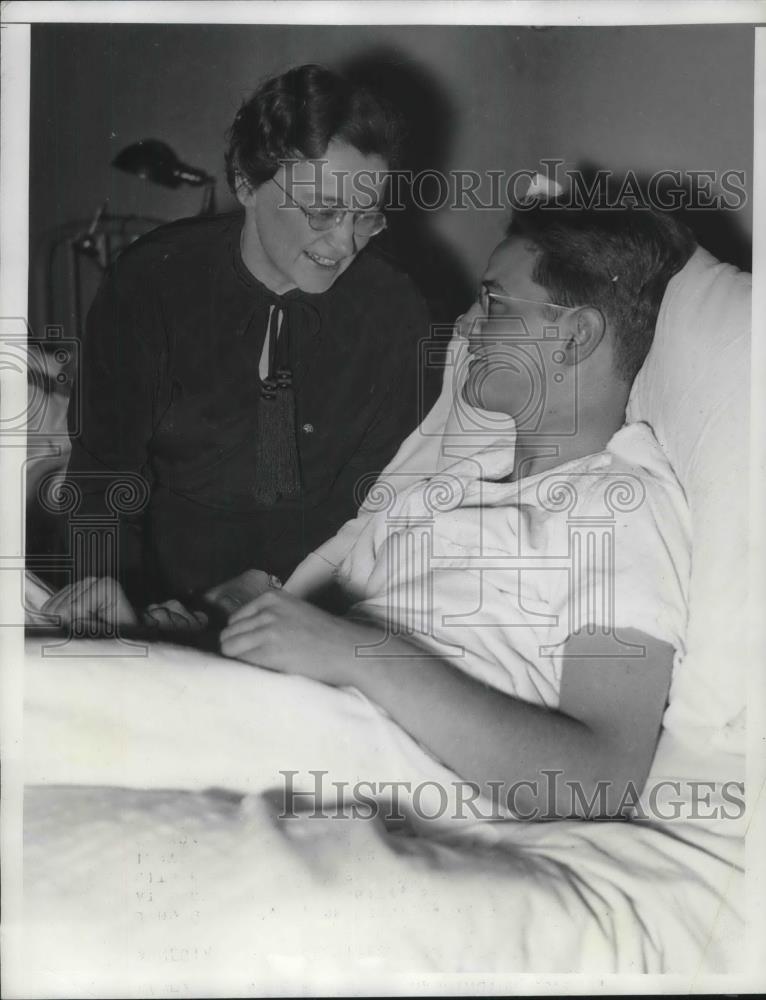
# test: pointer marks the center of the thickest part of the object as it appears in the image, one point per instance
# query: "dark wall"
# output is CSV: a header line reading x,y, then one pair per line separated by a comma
x,y
648,99
97,88
483,98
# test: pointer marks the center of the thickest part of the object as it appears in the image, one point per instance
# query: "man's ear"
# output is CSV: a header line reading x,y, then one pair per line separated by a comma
x,y
585,329
244,191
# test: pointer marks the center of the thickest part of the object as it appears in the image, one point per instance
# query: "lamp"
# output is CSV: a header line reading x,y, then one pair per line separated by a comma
x,y
155,161
98,242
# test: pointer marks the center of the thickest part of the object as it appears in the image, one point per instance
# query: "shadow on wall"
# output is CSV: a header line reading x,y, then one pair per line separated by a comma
x,y
718,232
430,119
710,212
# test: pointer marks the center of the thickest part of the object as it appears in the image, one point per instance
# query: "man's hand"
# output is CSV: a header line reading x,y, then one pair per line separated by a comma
x,y
284,633
231,595
92,599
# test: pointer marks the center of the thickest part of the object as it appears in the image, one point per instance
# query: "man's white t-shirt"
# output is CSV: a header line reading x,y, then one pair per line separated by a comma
x,y
495,575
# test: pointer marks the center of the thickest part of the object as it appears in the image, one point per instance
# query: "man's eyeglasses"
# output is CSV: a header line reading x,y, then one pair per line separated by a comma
x,y
366,224
487,298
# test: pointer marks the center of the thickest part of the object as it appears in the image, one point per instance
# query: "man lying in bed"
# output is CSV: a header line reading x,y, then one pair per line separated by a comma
x,y
488,662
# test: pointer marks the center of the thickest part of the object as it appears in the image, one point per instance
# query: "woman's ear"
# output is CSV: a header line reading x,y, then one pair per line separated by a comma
x,y
244,191
585,330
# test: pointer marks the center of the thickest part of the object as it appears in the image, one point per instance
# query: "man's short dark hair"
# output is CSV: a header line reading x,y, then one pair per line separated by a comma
x,y
619,260
297,115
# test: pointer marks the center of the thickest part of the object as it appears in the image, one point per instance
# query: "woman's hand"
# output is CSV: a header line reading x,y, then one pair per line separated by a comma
x,y
226,597
173,615
92,599
284,633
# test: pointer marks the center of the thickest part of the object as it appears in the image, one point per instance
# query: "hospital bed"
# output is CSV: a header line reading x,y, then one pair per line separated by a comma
x,y
179,878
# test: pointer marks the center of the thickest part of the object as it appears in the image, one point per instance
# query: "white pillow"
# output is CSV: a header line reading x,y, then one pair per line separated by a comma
x,y
693,389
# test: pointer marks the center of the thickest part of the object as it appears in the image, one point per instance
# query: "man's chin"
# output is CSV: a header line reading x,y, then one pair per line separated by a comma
x,y
470,395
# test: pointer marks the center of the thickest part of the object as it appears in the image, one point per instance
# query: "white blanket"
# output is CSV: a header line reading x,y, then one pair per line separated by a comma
x,y
142,891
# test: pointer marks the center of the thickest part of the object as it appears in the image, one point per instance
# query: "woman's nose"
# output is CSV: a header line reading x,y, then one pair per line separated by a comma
x,y
342,236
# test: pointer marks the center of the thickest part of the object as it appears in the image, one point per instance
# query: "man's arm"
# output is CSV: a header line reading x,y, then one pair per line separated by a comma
x,y
605,729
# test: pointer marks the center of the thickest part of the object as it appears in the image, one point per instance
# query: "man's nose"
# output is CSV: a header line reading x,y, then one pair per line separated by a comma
x,y
470,326
342,236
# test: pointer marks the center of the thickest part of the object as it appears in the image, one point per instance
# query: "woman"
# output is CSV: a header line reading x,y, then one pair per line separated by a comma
x,y
254,369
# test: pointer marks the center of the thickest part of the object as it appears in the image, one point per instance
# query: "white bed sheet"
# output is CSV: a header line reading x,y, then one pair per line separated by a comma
x,y
139,880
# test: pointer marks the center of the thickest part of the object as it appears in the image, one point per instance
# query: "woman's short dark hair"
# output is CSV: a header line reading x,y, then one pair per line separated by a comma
x,y
617,259
298,114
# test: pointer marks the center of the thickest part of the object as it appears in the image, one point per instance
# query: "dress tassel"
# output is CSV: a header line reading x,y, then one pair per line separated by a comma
x,y
277,466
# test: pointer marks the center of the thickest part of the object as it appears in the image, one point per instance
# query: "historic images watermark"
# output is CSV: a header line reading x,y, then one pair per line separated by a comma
x,y
459,190
310,795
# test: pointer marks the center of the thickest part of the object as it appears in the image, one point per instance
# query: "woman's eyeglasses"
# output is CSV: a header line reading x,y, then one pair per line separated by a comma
x,y
366,224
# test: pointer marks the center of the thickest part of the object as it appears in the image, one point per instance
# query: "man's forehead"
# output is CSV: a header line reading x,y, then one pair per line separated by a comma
x,y
510,267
